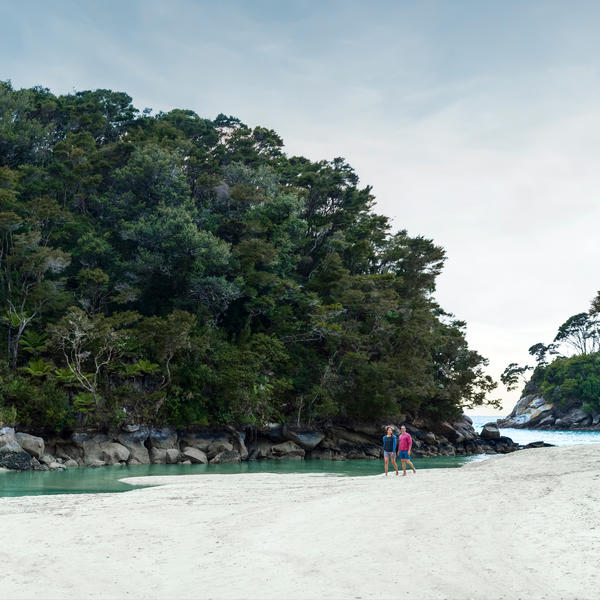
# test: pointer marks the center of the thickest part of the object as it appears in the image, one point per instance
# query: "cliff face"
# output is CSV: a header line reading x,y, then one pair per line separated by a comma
x,y
534,412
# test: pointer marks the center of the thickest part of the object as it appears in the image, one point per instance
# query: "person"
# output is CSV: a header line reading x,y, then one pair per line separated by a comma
x,y
404,450
390,443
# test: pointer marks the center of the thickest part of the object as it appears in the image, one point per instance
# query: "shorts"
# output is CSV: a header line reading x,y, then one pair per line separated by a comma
x,y
387,454
404,455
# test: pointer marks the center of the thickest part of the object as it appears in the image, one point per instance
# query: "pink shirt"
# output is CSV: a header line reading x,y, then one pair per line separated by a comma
x,y
405,442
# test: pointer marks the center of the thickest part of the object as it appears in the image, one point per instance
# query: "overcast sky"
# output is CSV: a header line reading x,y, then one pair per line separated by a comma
x,y
477,123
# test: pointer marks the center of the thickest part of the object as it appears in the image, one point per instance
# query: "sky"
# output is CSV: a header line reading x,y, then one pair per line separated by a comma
x,y
477,123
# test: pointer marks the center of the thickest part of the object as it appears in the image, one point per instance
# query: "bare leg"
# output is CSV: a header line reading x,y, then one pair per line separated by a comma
x,y
386,466
395,465
403,461
411,466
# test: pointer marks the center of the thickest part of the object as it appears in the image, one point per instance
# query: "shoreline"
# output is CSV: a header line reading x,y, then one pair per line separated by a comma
x,y
518,525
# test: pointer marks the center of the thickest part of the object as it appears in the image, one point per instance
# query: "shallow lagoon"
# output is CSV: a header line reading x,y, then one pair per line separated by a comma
x,y
106,479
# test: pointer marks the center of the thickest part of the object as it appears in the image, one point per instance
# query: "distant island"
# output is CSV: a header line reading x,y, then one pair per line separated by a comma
x,y
168,270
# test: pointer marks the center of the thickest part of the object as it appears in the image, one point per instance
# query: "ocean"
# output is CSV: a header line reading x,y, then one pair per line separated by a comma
x,y
526,436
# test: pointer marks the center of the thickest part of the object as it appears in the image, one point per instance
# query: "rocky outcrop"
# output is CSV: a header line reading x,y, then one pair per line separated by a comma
x,y
534,412
31,444
331,441
12,456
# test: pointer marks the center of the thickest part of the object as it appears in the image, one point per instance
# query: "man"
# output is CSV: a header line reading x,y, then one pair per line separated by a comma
x,y
390,442
404,449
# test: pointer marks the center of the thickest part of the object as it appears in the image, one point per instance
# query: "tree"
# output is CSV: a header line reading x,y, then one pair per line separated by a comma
x,y
581,333
513,374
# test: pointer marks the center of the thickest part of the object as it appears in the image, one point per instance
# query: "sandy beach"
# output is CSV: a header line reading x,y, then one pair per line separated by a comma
x,y
525,525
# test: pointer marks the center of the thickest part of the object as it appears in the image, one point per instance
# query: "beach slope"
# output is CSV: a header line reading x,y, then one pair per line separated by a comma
x,y
524,525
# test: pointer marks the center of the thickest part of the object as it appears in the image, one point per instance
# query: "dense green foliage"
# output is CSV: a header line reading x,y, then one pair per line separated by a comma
x,y
169,268
566,380
570,381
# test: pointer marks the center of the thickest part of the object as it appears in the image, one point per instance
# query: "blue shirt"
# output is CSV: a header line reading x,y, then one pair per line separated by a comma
x,y
390,443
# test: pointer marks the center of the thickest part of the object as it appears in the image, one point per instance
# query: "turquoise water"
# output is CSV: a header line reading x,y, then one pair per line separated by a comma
x,y
526,436
106,479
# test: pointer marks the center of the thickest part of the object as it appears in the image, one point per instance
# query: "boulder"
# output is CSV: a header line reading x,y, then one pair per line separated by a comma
x,y
288,450
431,439
202,439
172,456
8,440
218,447
239,442
580,417
163,438
113,453
305,439
226,456
65,449
94,463
12,456
490,431
539,444
194,455
261,448
70,463
32,444
447,430
91,447
158,456
134,441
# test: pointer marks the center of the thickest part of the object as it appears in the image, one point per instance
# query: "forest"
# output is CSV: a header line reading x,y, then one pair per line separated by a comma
x,y
171,269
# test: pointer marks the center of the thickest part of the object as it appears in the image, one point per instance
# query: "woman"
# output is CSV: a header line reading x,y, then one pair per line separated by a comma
x,y
390,442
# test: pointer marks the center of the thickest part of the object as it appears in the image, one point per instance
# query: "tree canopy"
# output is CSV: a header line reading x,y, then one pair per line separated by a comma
x,y
180,270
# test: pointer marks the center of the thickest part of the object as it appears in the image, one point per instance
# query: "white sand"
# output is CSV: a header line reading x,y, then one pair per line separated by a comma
x,y
525,525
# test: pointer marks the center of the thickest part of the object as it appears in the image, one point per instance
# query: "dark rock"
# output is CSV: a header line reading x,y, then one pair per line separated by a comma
x,y
305,439
490,431
218,447
274,431
227,456
539,444
12,456
18,460
288,450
